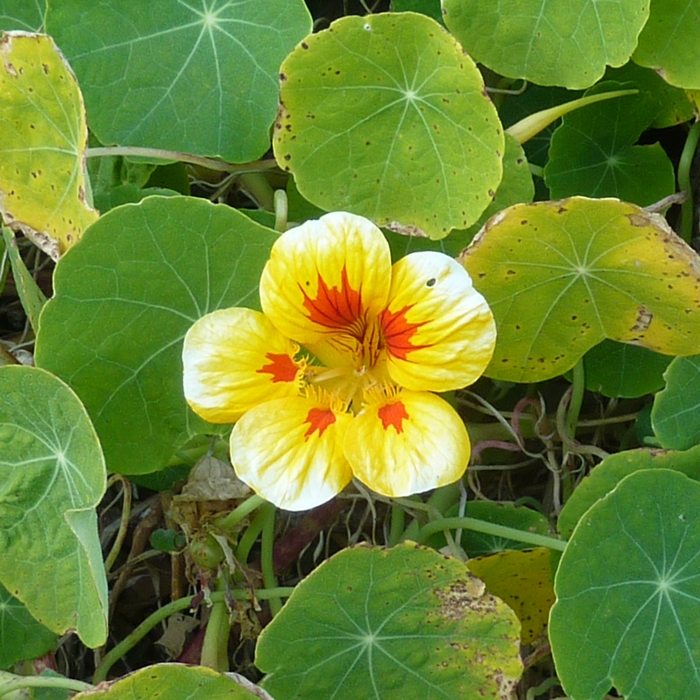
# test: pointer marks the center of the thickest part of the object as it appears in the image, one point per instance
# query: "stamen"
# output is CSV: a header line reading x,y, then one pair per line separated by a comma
x,y
325,400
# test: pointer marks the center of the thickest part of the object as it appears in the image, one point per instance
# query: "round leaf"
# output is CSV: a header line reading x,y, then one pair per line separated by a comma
x,y
668,43
42,183
123,301
562,276
21,636
404,624
615,167
675,416
53,476
171,681
623,371
608,474
385,116
627,587
564,43
192,77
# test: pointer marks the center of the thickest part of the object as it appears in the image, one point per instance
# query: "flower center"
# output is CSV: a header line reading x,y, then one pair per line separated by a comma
x,y
354,359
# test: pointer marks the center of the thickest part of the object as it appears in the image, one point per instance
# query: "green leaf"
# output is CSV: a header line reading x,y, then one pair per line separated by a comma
x,y
128,194
562,276
405,623
613,469
198,78
31,297
431,8
624,371
53,477
627,612
26,15
668,42
675,416
385,116
21,636
567,44
672,104
171,681
516,186
42,183
123,301
592,153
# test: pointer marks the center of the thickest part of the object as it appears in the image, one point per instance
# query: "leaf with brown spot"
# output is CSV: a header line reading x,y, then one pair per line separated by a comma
x,y
403,133
172,681
586,270
399,624
42,118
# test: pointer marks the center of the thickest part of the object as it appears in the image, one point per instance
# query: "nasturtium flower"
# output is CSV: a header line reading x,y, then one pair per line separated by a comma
x,y
333,379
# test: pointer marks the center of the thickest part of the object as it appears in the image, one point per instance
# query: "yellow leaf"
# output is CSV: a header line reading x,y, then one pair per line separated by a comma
x,y
42,119
523,580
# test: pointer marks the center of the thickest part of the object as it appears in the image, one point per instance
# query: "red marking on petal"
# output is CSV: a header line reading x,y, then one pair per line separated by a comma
x,y
318,419
334,307
393,414
398,332
281,367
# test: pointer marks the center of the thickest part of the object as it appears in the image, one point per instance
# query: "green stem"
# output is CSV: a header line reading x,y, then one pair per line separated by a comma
x,y
42,682
257,187
123,521
489,529
161,154
439,502
542,688
444,498
266,551
531,125
281,211
578,388
398,521
687,209
215,646
250,536
228,522
166,611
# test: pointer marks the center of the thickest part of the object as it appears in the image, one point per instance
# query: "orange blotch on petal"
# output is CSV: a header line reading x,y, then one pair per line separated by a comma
x,y
282,368
393,414
398,332
318,419
333,307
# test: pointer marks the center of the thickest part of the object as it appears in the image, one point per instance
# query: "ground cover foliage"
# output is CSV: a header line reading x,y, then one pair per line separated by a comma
x,y
151,156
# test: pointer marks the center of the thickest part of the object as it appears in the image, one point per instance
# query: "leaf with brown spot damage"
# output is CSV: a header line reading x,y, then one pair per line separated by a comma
x,y
417,624
42,117
587,269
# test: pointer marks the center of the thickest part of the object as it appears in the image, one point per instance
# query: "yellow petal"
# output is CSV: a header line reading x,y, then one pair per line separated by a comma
x,y
325,278
290,451
439,332
407,443
235,359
